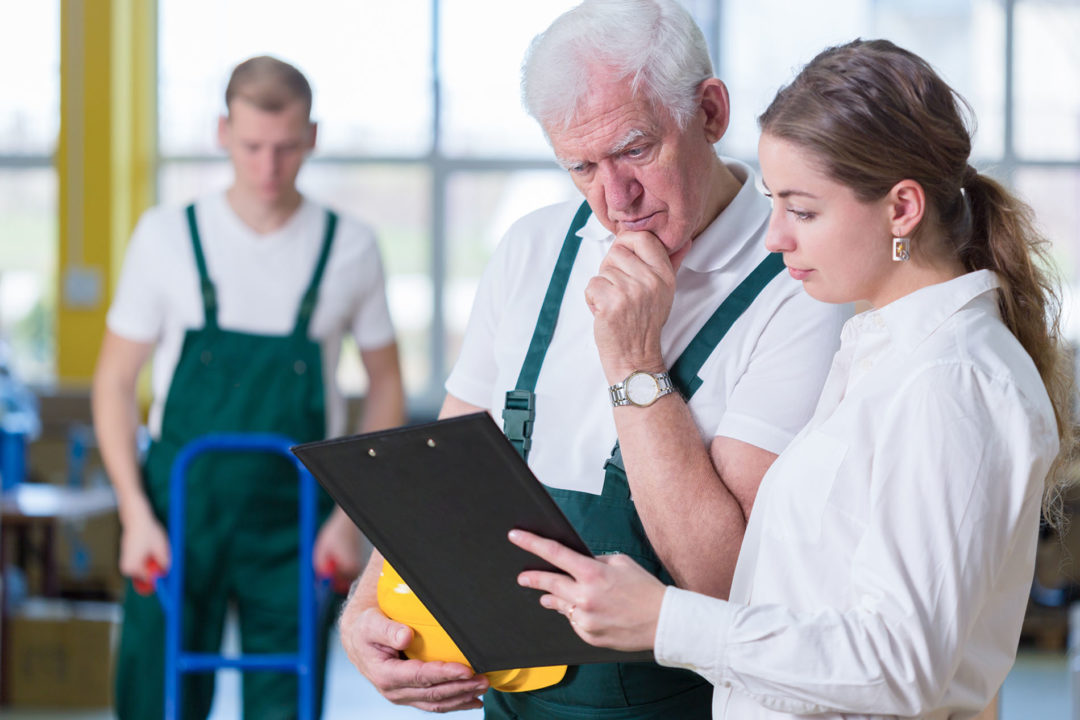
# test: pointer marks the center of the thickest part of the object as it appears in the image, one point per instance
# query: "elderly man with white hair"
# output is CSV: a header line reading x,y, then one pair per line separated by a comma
x,y
671,362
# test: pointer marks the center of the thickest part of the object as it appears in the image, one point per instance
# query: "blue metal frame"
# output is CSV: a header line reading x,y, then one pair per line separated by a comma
x,y
170,587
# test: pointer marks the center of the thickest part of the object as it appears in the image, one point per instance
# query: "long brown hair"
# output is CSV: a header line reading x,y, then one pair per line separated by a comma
x,y
874,114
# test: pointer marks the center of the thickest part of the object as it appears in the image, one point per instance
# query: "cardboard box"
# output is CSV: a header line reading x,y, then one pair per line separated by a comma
x,y
60,654
87,555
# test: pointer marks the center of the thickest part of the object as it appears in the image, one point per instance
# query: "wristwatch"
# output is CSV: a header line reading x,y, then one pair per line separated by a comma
x,y
641,388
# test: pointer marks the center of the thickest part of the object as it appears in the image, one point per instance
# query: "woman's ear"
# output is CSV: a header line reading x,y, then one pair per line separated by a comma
x,y
907,206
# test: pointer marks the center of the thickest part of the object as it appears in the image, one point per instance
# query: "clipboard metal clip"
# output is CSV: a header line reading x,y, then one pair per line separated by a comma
x,y
518,416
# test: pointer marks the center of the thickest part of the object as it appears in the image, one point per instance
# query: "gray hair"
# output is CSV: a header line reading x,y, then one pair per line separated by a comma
x,y
654,44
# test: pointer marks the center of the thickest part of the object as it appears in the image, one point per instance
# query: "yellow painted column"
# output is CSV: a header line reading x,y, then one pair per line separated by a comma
x,y
106,163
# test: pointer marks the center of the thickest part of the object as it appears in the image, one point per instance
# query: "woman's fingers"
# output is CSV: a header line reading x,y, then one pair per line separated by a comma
x,y
554,552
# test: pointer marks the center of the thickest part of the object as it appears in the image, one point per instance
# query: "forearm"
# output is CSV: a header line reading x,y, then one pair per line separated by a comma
x,y
116,420
364,592
384,406
692,519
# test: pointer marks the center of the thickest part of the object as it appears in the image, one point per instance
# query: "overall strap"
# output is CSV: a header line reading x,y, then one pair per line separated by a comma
x,y
684,373
209,295
520,409
311,295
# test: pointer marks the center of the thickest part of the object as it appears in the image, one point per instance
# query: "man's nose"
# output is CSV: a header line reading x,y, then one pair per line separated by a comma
x,y
269,163
621,187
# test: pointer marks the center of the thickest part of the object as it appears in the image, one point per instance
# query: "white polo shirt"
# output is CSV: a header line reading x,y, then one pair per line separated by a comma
x,y
887,563
259,278
759,385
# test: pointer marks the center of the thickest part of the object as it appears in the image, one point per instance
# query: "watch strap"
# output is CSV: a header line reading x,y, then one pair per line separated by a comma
x,y
619,396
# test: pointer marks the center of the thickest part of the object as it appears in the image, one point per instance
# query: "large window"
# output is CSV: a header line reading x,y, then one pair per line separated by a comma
x,y
765,43
1015,61
421,132
29,121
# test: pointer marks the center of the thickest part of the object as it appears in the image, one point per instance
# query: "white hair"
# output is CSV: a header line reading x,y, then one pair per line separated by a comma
x,y
655,45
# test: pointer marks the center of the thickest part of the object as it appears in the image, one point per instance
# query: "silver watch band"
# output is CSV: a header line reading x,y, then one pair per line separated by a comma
x,y
620,394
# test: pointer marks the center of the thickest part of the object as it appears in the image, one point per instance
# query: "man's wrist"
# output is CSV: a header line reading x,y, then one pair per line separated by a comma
x,y
352,589
132,507
640,389
616,372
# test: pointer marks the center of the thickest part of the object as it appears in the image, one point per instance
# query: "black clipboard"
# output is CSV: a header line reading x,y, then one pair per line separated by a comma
x,y
437,500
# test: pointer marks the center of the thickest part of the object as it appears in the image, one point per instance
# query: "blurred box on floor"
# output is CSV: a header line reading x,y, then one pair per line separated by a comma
x,y
60,654
88,558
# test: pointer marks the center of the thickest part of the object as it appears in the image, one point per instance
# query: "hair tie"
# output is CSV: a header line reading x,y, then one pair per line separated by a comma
x,y
970,173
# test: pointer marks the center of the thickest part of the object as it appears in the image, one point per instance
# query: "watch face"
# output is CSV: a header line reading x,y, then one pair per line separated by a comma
x,y
641,388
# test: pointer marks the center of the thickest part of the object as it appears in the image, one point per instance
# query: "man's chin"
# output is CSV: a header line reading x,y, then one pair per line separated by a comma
x,y
274,196
676,255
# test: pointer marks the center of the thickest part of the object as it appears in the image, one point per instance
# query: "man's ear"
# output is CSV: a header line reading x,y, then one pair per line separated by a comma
x,y
714,103
313,135
907,207
223,130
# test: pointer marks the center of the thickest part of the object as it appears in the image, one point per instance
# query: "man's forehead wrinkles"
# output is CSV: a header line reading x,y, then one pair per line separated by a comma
x,y
595,138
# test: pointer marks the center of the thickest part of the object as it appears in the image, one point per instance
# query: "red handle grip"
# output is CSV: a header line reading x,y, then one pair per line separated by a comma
x,y
146,587
329,573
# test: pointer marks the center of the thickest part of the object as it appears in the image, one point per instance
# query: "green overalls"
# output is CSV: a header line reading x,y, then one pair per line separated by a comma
x,y
242,524
609,523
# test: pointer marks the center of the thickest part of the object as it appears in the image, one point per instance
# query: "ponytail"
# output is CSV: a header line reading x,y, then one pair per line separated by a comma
x,y
1002,237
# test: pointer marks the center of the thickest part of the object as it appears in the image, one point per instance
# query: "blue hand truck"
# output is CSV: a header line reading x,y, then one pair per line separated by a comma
x,y
170,587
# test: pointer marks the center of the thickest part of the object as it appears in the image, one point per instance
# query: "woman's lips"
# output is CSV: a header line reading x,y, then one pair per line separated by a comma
x,y
799,274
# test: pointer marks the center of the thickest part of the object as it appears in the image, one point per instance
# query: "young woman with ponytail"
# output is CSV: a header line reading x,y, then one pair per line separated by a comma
x,y
888,557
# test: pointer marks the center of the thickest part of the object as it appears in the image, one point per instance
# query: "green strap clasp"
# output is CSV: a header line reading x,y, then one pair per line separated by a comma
x,y
518,417
520,409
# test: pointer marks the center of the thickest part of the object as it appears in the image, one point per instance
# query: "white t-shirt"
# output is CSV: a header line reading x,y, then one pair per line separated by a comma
x,y
759,385
888,559
259,279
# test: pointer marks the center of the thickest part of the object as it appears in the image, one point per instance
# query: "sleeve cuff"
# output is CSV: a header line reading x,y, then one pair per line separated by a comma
x,y
692,633
130,328
474,393
754,431
377,342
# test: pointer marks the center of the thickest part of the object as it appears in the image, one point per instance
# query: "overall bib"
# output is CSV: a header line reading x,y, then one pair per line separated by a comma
x,y
609,523
242,535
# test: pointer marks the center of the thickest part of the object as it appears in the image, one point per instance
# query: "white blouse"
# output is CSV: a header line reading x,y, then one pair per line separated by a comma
x,y
889,555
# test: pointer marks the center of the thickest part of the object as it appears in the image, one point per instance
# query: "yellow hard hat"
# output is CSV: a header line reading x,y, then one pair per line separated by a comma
x,y
430,642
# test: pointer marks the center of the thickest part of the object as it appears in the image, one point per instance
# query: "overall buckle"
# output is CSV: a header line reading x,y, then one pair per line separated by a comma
x,y
518,416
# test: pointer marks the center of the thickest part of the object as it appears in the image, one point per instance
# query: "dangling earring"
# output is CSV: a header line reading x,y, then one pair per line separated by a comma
x,y
900,250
